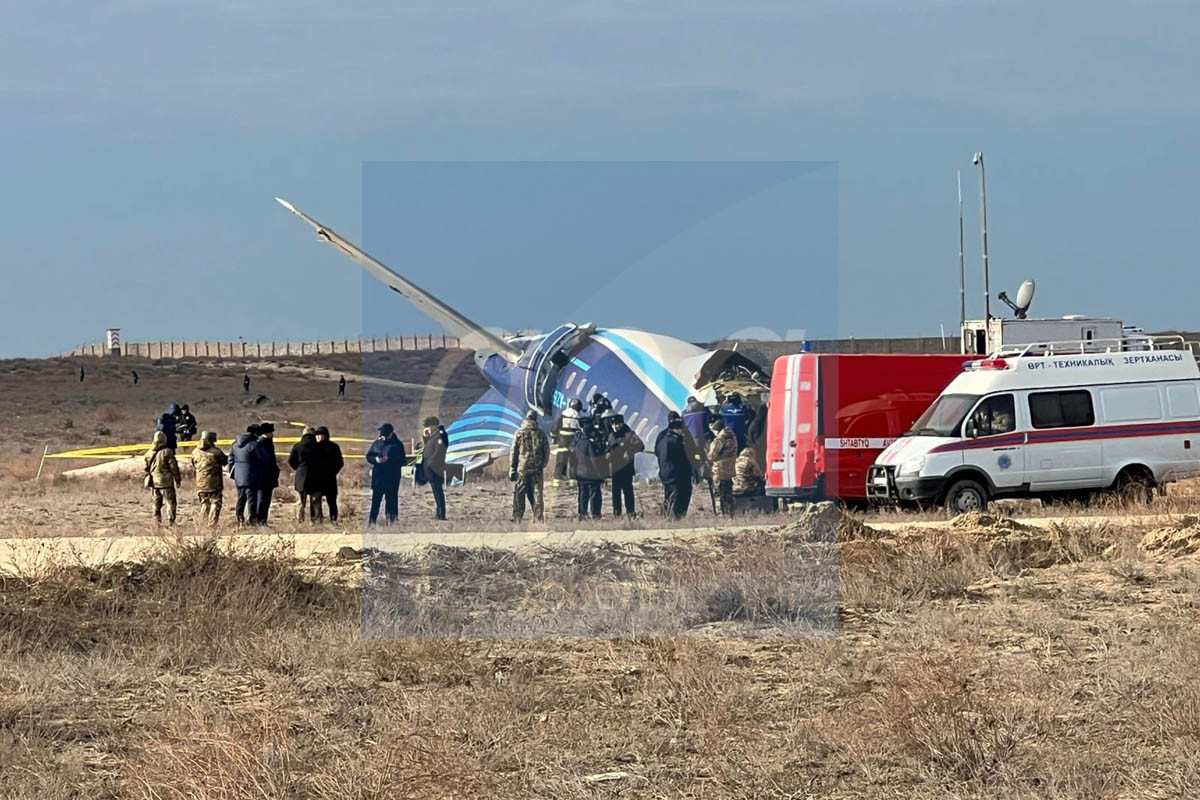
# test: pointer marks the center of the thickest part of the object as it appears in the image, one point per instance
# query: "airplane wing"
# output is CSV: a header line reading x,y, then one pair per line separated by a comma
x,y
484,431
469,333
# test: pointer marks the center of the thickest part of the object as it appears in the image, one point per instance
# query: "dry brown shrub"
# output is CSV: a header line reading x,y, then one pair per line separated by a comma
x,y
109,414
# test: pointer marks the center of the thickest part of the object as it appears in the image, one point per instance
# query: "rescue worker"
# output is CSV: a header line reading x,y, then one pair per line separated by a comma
x,y
305,460
245,472
624,444
566,429
433,463
527,462
591,468
748,480
209,461
736,417
722,455
332,463
386,457
185,424
268,469
162,471
674,468
166,425
246,383
342,386
601,405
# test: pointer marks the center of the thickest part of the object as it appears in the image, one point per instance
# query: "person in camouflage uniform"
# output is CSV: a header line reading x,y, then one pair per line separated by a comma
x,y
722,455
210,461
163,471
748,479
530,452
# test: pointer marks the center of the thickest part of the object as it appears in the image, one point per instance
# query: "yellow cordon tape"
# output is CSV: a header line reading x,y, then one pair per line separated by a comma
x,y
132,450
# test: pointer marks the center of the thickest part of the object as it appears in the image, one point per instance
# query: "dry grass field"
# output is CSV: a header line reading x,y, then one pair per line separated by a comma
x,y
814,656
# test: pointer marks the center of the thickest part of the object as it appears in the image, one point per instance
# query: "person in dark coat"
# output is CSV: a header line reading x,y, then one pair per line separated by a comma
x,y
309,479
386,457
591,469
246,383
246,477
674,469
135,377
268,469
331,463
342,386
433,462
166,424
185,424
624,444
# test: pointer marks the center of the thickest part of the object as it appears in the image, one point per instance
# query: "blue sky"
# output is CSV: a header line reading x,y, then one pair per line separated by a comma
x,y
144,141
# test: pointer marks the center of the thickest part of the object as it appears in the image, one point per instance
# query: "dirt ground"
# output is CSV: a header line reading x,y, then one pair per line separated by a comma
x,y
812,655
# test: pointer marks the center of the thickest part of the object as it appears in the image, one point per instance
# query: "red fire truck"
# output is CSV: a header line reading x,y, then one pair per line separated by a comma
x,y
830,415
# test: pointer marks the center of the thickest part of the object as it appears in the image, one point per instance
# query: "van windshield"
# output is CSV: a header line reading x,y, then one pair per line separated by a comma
x,y
944,417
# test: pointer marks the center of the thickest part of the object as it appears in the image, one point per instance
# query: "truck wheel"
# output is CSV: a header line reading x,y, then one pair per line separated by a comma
x,y
965,496
1134,486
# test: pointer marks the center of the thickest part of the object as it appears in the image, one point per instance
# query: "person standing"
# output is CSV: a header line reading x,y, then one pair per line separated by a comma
x,y
695,422
246,383
526,466
674,469
736,417
185,426
591,469
305,461
722,454
624,444
135,377
162,476
386,458
209,461
341,387
600,406
433,463
166,425
566,429
81,374
268,469
244,469
331,464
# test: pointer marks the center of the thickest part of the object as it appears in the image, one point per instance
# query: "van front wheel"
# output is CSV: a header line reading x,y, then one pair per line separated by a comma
x,y
965,496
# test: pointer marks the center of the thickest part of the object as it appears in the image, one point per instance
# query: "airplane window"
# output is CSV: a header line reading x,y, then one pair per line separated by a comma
x,y
653,433
642,425
571,379
579,388
624,408
632,418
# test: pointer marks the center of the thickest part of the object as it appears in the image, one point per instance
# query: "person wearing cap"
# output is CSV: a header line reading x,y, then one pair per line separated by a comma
x,y
331,461
722,454
526,467
307,478
386,457
209,461
674,468
591,468
624,444
433,462
601,405
244,469
162,477
268,469
185,424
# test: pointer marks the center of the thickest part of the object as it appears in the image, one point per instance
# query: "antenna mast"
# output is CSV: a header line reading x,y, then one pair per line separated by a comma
x,y
962,274
987,293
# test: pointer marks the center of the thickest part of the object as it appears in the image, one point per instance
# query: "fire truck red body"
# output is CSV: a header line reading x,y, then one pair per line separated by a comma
x,y
831,415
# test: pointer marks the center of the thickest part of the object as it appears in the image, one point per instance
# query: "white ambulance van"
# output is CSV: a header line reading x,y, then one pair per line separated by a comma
x,y
1057,419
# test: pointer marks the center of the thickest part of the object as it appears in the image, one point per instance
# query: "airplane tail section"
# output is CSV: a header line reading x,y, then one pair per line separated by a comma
x,y
469,333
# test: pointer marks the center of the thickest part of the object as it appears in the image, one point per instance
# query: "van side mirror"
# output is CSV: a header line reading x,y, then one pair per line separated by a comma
x,y
970,430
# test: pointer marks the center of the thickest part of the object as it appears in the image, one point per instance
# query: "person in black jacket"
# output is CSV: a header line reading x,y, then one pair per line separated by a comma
x,y
309,480
268,469
623,445
591,469
433,463
386,457
331,464
674,469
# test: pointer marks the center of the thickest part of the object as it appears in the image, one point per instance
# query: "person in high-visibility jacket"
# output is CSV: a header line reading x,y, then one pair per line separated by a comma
x,y
566,429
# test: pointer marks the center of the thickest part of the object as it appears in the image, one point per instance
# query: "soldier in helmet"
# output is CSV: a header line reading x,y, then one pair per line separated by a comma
x,y
566,428
162,477
209,462
530,452
600,406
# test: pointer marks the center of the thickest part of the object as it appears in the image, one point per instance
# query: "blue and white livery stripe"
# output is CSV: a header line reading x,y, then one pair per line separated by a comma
x,y
657,378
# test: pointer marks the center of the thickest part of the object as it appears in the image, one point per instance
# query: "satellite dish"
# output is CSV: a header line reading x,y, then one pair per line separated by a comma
x,y
1024,299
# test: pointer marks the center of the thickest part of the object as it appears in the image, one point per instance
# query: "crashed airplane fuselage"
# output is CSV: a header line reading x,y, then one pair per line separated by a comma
x,y
644,375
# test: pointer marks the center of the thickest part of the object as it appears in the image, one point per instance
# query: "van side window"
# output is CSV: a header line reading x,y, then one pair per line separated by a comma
x,y
1183,401
995,415
1071,409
